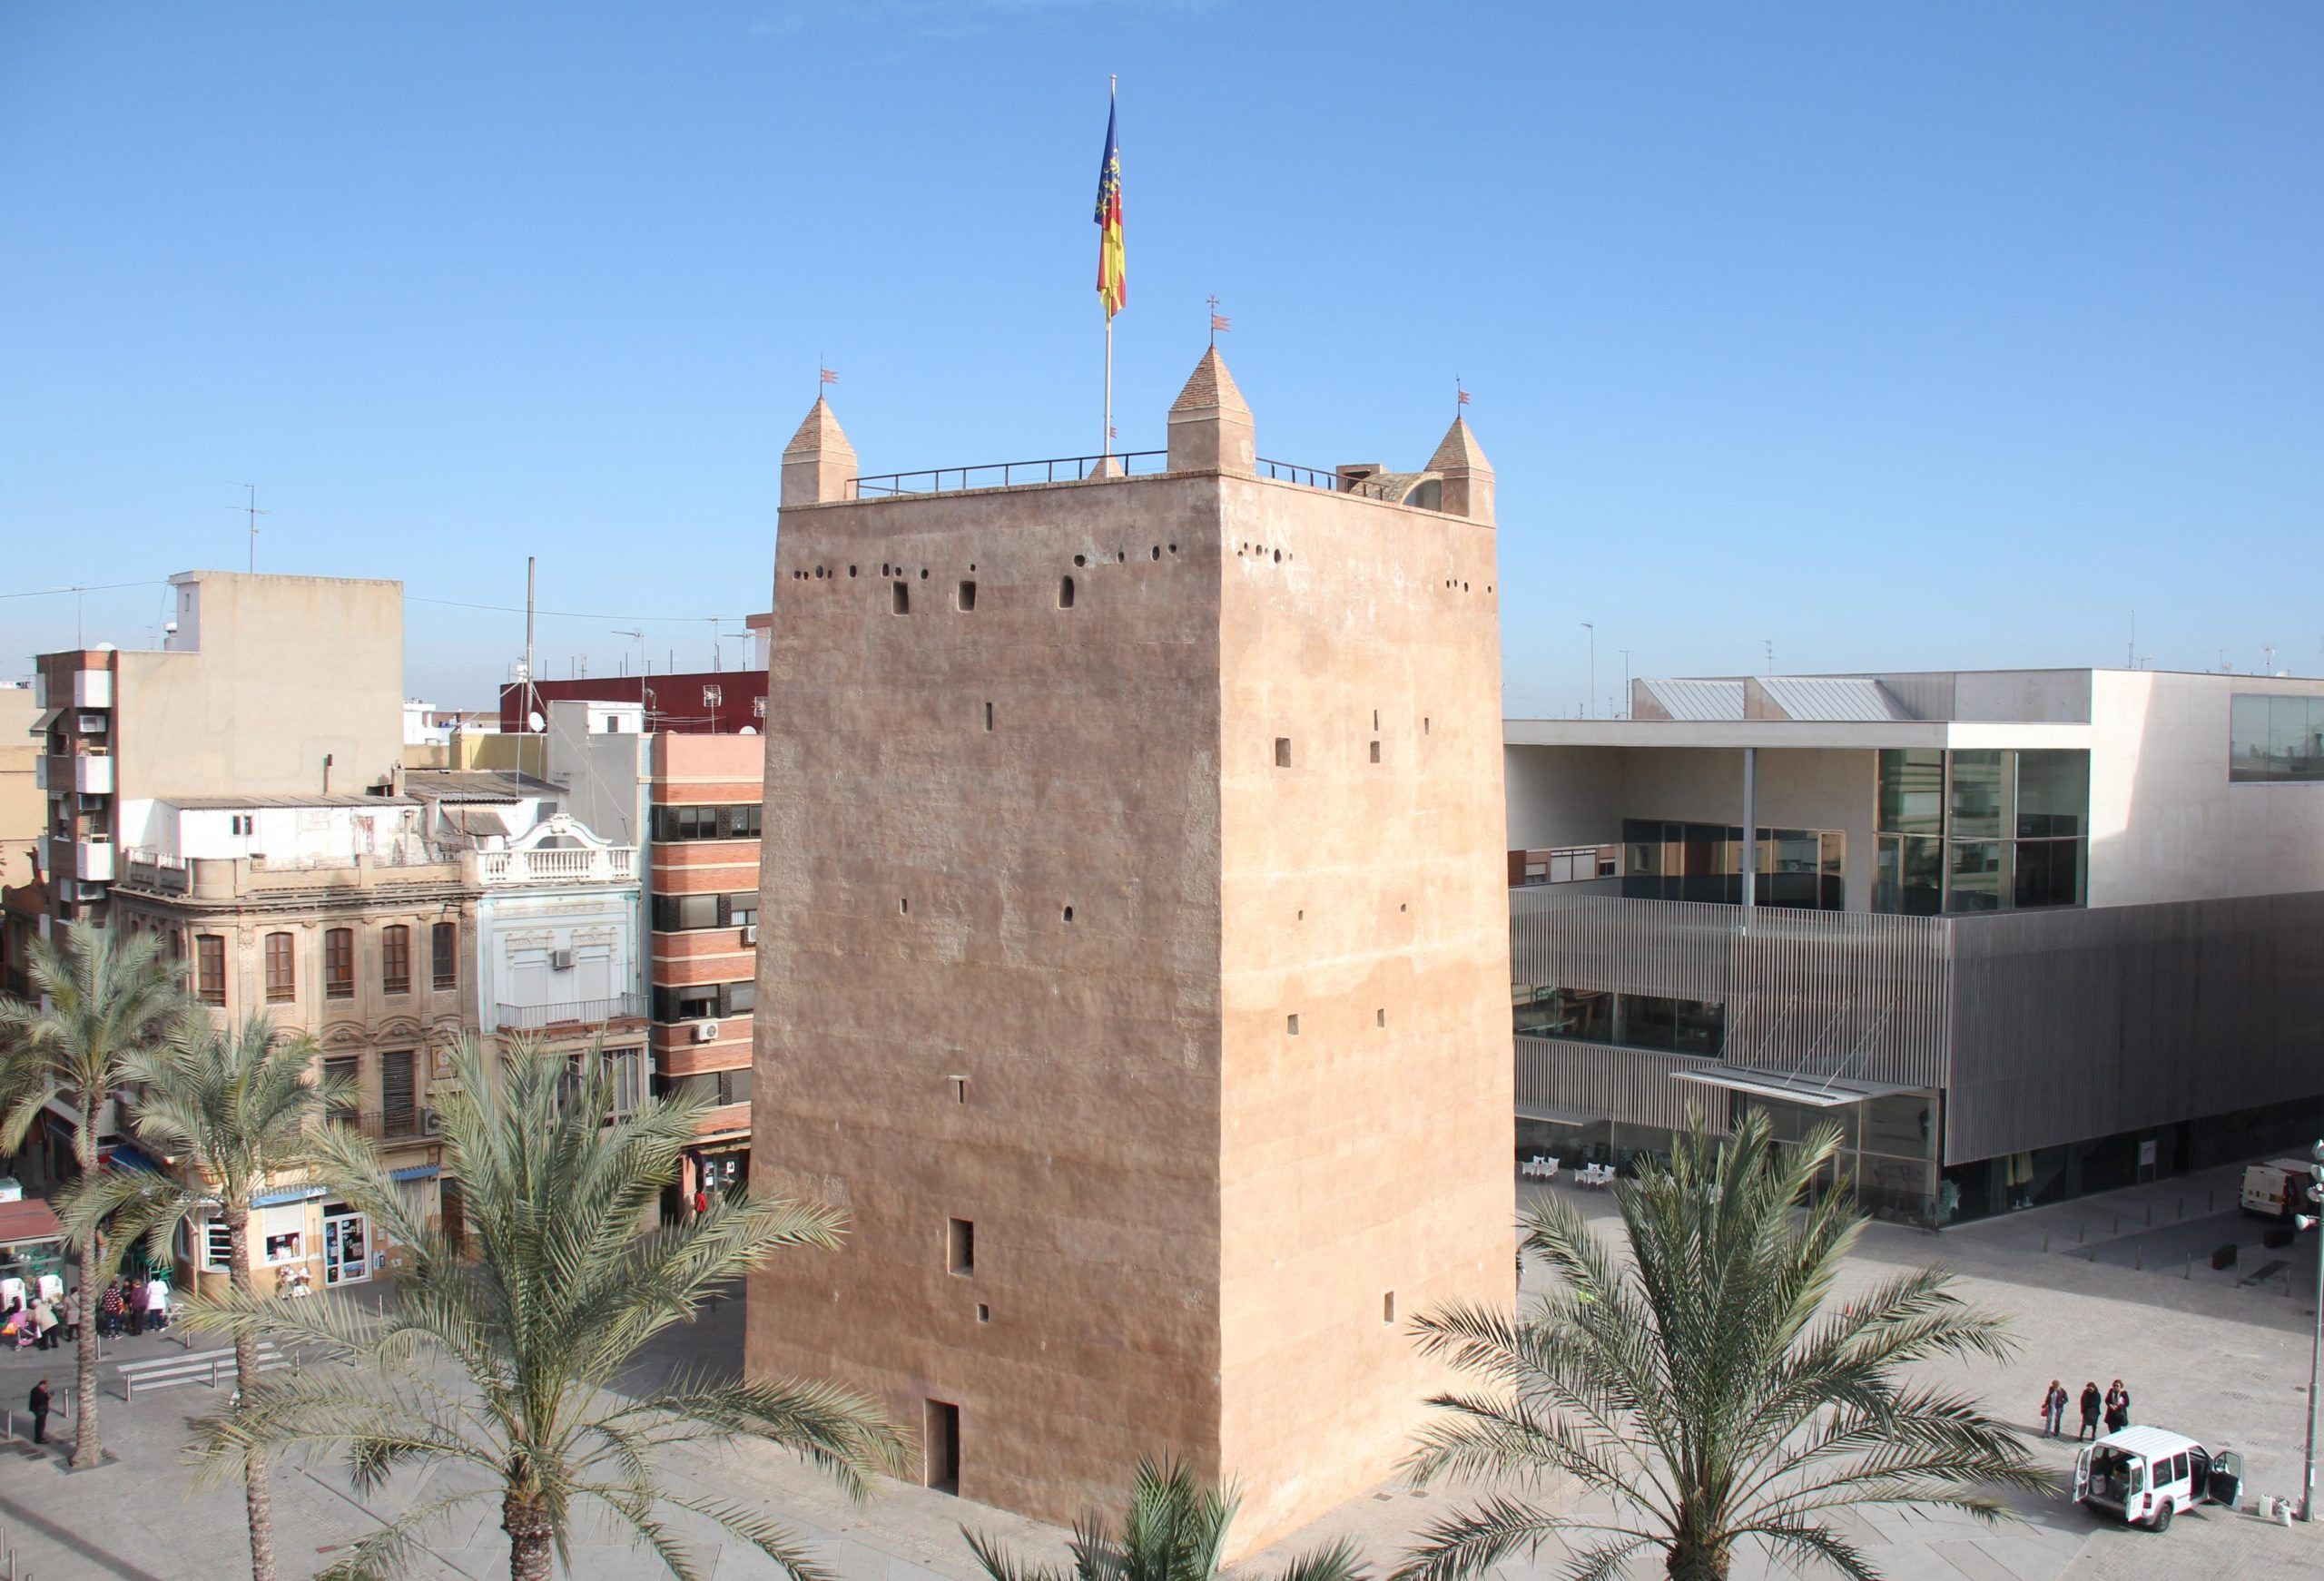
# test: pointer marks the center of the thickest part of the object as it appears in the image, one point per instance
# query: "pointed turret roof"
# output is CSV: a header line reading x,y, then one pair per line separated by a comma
x,y
1211,386
1460,452
819,434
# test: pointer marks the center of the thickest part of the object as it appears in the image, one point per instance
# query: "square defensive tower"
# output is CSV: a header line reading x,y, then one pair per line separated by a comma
x,y
1134,958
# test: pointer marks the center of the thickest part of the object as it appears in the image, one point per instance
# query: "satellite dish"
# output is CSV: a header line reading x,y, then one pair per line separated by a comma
x,y
748,730
534,720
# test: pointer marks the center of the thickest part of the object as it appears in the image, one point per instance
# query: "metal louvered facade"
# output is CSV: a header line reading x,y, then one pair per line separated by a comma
x,y
1816,997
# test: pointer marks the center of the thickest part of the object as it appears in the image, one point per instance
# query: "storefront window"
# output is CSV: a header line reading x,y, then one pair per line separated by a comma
x,y
283,1248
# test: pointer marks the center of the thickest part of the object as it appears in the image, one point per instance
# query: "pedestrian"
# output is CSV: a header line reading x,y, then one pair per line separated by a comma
x,y
2089,1399
2054,1410
132,1304
2118,1407
39,1406
109,1308
157,1301
45,1322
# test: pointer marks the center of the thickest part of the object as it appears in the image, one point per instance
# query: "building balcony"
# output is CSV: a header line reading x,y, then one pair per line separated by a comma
x,y
569,1015
162,874
90,775
90,859
558,865
93,688
225,878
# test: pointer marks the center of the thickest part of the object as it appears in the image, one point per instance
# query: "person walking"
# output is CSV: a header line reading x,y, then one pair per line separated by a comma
x,y
2118,1407
43,1322
2090,1401
157,1301
38,1405
2054,1410
109,1307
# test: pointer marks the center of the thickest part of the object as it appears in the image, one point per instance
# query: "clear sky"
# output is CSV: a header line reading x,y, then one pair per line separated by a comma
x,y
1902,335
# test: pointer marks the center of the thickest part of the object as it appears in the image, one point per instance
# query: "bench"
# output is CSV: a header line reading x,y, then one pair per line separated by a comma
x,y
203,1367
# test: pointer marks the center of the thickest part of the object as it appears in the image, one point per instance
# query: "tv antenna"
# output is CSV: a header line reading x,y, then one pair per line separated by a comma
x,y
251,510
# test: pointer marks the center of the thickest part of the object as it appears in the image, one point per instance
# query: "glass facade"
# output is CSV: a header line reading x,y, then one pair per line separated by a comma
x,y
2275,738
1704,861
1983,829
1887,1146
1632,1020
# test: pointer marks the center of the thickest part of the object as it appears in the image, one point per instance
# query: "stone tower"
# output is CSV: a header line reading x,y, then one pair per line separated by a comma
x,y
1134,962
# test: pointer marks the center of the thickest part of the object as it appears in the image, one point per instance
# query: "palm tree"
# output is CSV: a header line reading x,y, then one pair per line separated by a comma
x,y
1174,1530
236,1110
1706,1390
102,998
538,1329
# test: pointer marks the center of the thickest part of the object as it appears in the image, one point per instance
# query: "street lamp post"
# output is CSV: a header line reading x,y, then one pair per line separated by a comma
x,y
2316,1347
1591,706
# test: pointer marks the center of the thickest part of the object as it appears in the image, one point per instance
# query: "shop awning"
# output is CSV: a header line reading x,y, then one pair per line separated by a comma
x,y
48,716
287,1194
121,1155
25,1223
1814,1092
1555,1116
415,1172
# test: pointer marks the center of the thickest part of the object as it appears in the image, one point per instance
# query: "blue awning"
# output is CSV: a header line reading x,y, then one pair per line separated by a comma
x,y
124,1156
287,1195
415,1171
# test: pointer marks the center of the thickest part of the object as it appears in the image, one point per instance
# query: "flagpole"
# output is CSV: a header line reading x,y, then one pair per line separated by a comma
x,y
1106,449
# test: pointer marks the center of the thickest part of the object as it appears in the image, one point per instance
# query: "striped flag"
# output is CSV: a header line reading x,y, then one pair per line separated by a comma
x,y
1113,262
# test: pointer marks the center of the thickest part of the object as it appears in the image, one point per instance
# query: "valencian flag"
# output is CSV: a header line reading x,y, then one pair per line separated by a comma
x,y
1113,263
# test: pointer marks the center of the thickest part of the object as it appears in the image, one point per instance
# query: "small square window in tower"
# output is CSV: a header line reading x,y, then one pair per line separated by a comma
x,y
1283,751
960,1247
900,598
1065,593
968,596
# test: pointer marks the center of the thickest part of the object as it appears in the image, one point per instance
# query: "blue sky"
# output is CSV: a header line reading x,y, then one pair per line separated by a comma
x,y
1903,335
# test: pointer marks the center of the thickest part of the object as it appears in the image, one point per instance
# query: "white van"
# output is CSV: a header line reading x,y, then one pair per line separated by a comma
x,y
2145,1476
2279,1188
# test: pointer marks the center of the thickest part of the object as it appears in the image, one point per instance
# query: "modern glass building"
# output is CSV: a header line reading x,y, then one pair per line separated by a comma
x,y
2018,935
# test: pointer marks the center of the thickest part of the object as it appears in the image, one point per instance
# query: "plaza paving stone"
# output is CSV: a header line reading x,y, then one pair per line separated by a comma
x,y
2224,1361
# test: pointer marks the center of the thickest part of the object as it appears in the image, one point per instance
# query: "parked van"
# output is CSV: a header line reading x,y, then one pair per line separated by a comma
x,y
2145,1476
2279,1188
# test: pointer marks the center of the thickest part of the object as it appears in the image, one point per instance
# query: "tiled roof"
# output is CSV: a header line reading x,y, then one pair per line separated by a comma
x,y
821,432
1210,386
1459,451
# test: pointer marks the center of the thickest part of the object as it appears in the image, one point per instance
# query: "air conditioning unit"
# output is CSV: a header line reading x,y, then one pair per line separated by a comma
x,y
88,891
705,1032
561,960
92,725
750,933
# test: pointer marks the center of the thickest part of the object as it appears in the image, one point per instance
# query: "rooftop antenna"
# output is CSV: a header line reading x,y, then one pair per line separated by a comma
x,y
254,513
1626,685
532,693
1591,626
641,648
2267,658
1769,643
2131,654
76,590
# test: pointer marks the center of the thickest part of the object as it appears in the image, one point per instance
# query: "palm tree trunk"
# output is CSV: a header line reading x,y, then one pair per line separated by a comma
x,y
525,1518
87,1448
1691,1561
258,1498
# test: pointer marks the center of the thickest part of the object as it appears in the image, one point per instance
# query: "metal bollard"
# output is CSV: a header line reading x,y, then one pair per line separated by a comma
x,y
2142,1260
2045,1240
2190,1272
2150,1213
2118,1223
2083,1232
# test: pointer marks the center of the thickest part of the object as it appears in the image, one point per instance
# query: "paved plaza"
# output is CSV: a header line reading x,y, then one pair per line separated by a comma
x,y
2220,1355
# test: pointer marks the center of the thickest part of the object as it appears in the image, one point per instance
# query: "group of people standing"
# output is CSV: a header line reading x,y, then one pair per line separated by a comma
x,y
43,1320
140,1304
2115,1404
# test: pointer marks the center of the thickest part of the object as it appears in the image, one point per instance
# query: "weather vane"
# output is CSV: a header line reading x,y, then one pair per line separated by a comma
x,y
1218,321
